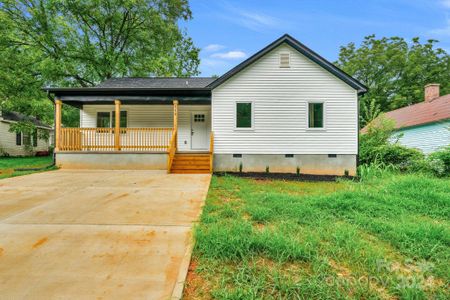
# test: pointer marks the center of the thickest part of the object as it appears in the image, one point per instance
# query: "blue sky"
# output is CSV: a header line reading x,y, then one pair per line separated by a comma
x,y
229,31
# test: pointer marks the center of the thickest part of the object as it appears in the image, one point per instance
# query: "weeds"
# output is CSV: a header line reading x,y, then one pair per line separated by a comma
x,y
346,240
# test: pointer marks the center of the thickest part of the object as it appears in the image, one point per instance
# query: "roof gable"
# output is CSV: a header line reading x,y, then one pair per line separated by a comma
x,y
303,50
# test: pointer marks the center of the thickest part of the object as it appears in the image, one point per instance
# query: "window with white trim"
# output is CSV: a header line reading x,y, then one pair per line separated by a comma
x,y
315,115
244,114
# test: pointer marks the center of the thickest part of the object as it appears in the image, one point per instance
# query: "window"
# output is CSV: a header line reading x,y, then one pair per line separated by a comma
x,y
19,138
284,60
35,138
199,118
315,115
243,115
26,139
123,119
103,119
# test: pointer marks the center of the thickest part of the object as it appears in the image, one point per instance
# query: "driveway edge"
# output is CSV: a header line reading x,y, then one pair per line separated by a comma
x,y
177,292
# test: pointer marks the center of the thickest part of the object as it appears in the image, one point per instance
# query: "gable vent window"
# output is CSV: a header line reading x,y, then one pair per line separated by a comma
x,y
285,60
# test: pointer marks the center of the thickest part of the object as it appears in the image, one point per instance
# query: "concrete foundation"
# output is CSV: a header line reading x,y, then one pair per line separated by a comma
x,y
319,164
112,161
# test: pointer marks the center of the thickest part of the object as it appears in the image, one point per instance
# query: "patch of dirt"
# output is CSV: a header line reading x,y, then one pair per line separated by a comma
x,y
196,287
341,271
284,176
346,273
260,226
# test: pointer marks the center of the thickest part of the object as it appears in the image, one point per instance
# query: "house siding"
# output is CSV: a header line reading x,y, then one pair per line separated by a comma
x,y
427,138
151,116
280,97
8,143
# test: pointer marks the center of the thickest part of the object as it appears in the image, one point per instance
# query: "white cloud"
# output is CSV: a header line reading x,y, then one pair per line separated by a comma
x,y
213,47
256,21
444,31
445,3
230,55
213,62
252,20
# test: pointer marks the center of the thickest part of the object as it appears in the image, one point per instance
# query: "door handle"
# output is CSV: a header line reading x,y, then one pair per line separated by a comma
x,y
192,131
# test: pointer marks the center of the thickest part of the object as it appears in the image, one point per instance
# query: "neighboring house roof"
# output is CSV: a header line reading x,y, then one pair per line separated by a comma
x,y
286,38
421,113
13,116
157,82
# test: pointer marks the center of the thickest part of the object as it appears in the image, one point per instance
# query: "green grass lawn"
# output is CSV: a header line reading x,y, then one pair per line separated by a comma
x,y
8,164
385,238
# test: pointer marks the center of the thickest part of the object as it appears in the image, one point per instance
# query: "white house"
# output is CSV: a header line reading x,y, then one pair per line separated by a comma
x,y
21,144
283,108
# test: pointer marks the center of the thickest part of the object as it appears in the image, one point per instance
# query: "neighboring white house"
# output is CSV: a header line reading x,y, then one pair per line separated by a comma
x,y
284,108
425,125
20,144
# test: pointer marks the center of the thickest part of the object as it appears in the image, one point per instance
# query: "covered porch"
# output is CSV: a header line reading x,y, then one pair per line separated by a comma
x,y
135,126
113,133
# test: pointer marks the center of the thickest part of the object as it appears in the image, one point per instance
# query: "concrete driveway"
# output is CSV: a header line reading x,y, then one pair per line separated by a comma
x,y
97,233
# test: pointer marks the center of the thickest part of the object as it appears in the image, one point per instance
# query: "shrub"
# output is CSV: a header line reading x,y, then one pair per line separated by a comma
x,y
3,153
403,157
439,162
379,146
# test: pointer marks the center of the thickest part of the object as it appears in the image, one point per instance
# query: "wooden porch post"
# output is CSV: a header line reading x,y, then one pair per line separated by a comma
x,y
175,117
58,105
117,127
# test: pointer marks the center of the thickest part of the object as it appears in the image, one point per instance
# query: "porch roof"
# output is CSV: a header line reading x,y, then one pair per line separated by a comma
x,y
131,95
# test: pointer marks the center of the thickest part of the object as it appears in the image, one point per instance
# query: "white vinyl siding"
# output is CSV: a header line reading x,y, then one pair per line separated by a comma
x,y
280,99
150,116
8,143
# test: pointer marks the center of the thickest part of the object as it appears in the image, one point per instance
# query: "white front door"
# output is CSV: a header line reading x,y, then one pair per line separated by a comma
x,y
199,130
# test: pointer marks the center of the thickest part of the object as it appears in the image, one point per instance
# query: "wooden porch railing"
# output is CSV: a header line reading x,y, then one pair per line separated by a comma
x,y
103,139
211,151
172,150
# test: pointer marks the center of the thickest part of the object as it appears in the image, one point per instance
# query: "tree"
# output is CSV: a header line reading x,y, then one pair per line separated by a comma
x,y
395,71
81,43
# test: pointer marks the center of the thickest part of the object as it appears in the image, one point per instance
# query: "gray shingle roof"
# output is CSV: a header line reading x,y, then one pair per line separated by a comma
x,y
18,117
157,82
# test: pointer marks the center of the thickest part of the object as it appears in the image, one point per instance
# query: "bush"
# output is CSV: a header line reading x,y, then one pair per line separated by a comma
x,y
439,162
379,147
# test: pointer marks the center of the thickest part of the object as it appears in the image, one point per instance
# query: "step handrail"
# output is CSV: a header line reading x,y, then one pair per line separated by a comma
x,y
211,151
172,150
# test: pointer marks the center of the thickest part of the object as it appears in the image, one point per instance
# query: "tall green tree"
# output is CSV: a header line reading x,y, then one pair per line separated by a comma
x,y
395,71
81,43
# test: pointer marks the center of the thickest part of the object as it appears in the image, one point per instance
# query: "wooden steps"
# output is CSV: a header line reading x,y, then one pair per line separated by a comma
x,y
191,163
